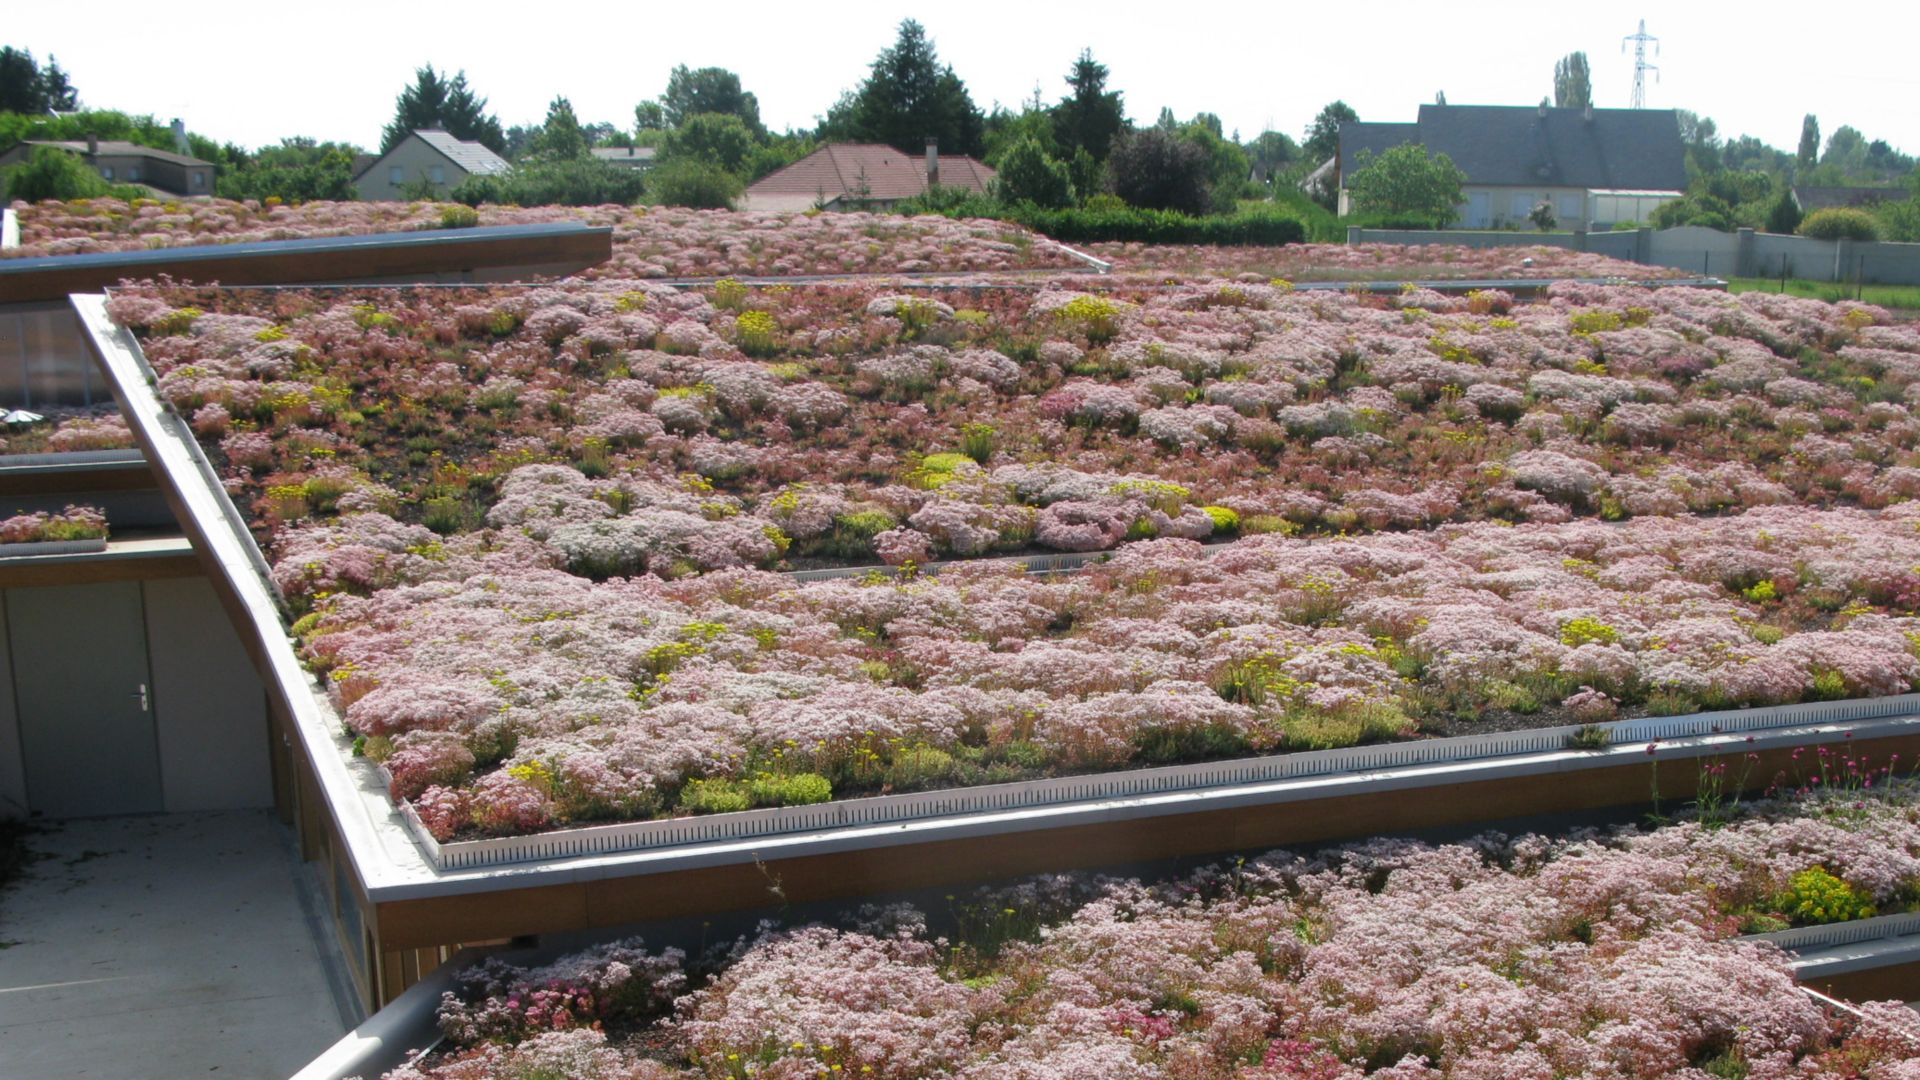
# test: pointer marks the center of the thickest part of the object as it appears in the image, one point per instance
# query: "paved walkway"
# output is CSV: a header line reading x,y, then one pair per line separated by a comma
x,y
168,946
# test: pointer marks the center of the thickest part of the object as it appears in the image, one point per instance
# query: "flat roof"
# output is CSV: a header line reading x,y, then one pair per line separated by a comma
x,y
548,247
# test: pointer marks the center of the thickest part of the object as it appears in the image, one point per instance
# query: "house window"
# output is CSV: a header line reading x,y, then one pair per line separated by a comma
x,y
1522,206
1570,209
133,174
106,172
396,175
197,179
437,174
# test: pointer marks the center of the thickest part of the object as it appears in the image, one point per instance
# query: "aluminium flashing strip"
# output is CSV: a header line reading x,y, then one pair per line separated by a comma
x,y
303,246
557,248
1812,939
392,858
71,461
1277,778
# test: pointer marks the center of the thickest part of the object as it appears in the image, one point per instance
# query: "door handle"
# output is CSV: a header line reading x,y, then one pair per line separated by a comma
x,y
145,703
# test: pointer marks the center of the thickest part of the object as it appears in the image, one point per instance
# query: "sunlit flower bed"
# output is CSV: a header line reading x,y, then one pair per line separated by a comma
x,y
648,242
1373,262
68,430
1601,956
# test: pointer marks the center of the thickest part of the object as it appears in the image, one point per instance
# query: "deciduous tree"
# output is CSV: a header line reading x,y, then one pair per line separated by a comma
x,y
1323,135
708,90
1406,181
1572,86
1162,170
1809,154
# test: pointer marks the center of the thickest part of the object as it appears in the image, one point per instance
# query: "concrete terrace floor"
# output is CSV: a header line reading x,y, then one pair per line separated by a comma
x,y
163,946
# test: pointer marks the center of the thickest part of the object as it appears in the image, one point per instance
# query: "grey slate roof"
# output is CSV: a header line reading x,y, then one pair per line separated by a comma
x,y
1636,149
1359,138
117,148
476,159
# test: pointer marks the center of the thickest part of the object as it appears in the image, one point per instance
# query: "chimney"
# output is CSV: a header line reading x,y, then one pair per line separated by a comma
x,y
93,144
180,144
1589,112
1543,107
933,161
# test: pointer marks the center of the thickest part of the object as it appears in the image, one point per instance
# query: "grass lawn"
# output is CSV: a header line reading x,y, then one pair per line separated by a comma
x,y
1888,296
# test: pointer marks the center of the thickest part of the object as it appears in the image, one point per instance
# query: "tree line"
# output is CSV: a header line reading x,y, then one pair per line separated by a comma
x,y
1078,149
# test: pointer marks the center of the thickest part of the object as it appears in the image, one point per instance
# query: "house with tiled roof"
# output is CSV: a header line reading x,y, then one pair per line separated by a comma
x,y
435,157
119,162
849,176
1581,161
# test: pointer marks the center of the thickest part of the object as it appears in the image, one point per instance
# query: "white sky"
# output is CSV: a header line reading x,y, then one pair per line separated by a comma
x,y
252,73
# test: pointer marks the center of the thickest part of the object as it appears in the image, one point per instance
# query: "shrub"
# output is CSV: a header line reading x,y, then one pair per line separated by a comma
x,y
695,184
52,173
1132,224
715,796
1816,897
459,217
1027,174
1225,519
1590,737
572,182
1840,223
789,789
1161,170
1587,631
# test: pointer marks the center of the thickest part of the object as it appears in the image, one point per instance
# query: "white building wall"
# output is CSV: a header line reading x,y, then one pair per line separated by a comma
x,y
415,161
210,706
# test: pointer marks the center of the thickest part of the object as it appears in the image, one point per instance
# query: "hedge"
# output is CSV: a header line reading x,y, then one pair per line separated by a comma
x,y
1159,226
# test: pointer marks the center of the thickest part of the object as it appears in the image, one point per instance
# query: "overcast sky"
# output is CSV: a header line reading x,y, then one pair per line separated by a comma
x,y
252,73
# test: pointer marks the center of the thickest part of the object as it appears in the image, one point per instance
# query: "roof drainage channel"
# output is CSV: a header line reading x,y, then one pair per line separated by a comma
x,y
398,861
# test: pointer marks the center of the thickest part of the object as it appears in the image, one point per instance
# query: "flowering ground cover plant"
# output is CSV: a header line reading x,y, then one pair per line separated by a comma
x,y
67,430
1596,955
505,694
648,242
856,425
487,506
73,523
1373,262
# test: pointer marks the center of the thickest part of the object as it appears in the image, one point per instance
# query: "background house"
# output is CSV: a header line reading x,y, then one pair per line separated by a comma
x,y
852,176
1595,166
165,172
1810,198
435,157
637,158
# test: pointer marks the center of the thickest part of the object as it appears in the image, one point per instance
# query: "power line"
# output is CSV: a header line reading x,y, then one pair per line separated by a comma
x,y
1640,65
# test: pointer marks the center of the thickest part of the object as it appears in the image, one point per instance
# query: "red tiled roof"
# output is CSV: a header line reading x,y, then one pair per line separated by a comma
x,y
839,168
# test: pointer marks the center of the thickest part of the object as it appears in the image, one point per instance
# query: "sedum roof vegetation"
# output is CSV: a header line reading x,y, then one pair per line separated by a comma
x,y
533,536
649,242
1597,955
67,430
